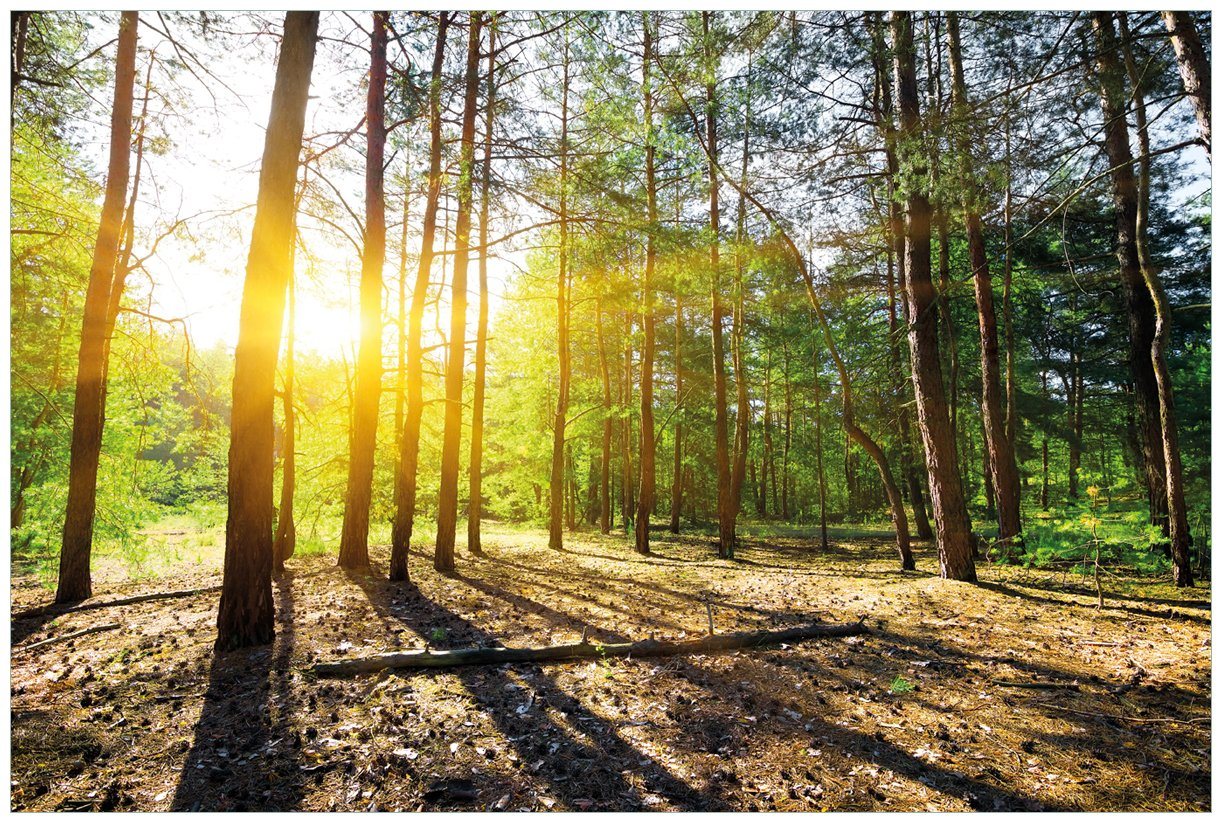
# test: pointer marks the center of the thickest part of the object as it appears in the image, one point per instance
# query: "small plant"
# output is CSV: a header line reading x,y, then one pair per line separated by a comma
x,y
437,635
901,686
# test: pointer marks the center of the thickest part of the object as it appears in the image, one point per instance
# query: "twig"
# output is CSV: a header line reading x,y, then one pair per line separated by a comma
x,y
1125,719
105,627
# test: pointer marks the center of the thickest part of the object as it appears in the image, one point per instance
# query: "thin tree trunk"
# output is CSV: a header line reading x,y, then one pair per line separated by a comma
x,y
818,401
1194,70
1142,313
284,544
945,485
89,410
766,457
447,496
725,504
1003,469
555,511
1044,447
1177,507
645,498
742,416
354,537
604,519
246,613
788,439
409,445
626,486
676,485
476,471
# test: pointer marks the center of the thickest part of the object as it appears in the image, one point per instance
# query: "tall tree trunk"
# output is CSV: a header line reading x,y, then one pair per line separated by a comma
x,y
676,483
1002,465
627,509
788,439
1044,447
742,415
21,29
818,402
284,544
476,470
604,485
354,537
409,444
645,498
725,504
895,256
766,457
447,496
555,538
1194,70
945,485
1142,314
89,410
246,613
1177,507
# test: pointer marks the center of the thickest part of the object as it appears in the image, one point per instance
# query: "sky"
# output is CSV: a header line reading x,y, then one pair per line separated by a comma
x,y
210,175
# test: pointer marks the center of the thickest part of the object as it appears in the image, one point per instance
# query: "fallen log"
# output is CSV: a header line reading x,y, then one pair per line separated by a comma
x,y
72,608
585,650
50,641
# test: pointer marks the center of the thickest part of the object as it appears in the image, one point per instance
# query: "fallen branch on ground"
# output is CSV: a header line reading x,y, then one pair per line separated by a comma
x,y
1186,722
71,608
1015,684
50,641
430,659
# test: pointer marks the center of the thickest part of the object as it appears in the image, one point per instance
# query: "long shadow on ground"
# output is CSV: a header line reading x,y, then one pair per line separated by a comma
x,y
244,756
587,765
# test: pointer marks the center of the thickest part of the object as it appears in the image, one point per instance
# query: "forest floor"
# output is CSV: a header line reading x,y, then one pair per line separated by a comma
x,y
910,716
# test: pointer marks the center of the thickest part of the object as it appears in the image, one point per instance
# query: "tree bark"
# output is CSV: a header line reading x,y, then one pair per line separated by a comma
x,y
604,485
627,510
648,470
447,495
676,483
1140,306
945,485
742,414
1177,507
1002,465
818,403
476,471
726,514
409,444
284,544
246,613
1194,70
89,410
495,656
555,538
354,537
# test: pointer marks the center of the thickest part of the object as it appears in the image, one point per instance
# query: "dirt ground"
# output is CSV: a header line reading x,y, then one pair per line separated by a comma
x,y
912,716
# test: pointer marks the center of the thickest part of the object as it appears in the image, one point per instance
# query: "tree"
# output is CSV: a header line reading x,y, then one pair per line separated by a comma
x,y
409,443
246,613
475,500
645,498
1001,461
1194,70
354,539
945,485
89,410
555,537
447,499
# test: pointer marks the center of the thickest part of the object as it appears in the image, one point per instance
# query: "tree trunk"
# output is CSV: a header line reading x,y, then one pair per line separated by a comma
x,y
1044,448
788,440
246,613
1177,507
645,499
555,538
726,514
89,412
676,483
766,458
604,486
626,428
818,402
945,485
476,471
1139,303
284,544
409,445
447,495
742,415
1194,70
354,537
1002,465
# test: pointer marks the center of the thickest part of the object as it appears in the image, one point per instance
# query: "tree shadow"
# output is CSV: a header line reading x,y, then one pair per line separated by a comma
x,y
586,762
1165,614
244,755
